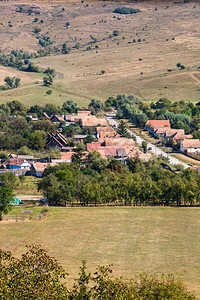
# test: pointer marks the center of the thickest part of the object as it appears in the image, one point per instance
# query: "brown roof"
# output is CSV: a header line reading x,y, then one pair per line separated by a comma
x,y
84,112
67,155
93,146
119,141
160,130
93,121
17,162
160,123
191,143
40,167
104,129
176,134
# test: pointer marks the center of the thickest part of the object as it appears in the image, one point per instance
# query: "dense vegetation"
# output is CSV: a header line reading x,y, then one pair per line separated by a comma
x,y
37,275
126,10
181,114
97,181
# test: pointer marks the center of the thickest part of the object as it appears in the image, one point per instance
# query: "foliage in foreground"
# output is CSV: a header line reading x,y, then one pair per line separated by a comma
x,y
38,276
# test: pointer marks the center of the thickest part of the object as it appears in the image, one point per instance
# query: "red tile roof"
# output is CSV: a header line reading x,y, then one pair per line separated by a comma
x,y
93,146
191,143
104,129
119,141
67,155
40,167
161,123
93,121
17,162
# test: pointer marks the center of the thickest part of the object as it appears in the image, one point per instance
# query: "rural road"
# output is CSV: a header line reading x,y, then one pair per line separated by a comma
x,y
155,150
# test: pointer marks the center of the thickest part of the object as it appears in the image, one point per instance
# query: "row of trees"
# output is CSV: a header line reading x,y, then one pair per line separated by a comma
x,y
98,181
37,275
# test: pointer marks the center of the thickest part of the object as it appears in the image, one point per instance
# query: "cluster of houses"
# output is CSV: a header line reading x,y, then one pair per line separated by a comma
x,y
107,142
162,129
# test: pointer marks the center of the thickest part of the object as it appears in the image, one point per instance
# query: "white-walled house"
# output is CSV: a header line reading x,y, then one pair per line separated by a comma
x,y
191,145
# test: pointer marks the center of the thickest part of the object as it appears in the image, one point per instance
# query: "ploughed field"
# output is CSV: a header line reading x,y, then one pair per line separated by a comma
x,y
165,33
133,240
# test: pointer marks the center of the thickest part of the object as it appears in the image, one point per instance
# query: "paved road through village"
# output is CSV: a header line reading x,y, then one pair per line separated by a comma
x,y
155,150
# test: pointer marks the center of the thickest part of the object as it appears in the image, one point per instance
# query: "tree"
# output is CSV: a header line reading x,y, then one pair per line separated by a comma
x,y
70,107
36,275
163,103
54,153
38,140
48,80
9,81
144,146
16,108
19,124
5,198
17,82
96,106
122,129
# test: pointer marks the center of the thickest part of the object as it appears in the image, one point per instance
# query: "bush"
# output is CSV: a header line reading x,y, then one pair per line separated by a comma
x,y
126,10
116,32
49,92
78,45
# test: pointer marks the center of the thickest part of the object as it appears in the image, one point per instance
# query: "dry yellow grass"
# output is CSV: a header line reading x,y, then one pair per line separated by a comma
x,y
134,240
168,36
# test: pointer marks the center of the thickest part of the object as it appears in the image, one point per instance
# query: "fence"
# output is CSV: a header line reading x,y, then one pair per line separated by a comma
x,y
15,171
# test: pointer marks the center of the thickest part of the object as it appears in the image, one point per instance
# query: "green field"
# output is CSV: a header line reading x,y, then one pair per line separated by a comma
x,y
134,240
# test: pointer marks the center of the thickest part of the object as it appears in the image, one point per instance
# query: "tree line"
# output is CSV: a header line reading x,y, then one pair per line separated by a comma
x,y
96,181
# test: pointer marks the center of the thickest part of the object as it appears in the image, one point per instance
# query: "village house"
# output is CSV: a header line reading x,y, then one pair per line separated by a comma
x,y
18,163
105,132
38,168
190,145
92,121
153,125
57,141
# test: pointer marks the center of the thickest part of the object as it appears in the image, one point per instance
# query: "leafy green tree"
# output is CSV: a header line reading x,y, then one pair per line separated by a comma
x,y
36,275
9,81
144,146
48,80
19,124
70,107
54,153
5,198
163,103
37,140
96,106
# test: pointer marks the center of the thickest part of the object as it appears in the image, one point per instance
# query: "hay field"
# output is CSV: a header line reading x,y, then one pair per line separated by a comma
x,y
134,240
169,33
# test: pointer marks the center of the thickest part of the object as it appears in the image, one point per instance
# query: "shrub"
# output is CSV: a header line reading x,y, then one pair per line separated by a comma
x,y
126,10
49,92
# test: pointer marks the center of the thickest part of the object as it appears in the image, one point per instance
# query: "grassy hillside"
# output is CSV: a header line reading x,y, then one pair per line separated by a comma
x,y
134,240
168,33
